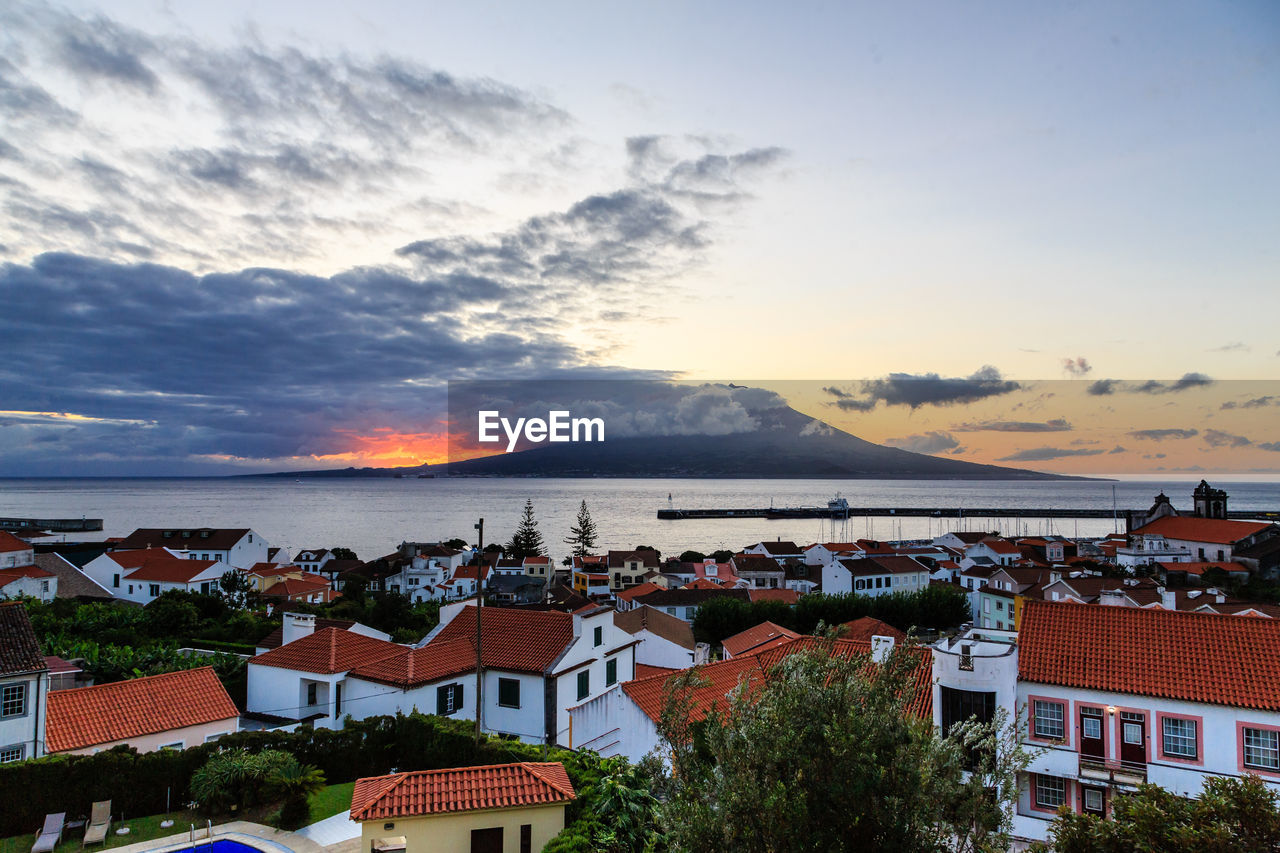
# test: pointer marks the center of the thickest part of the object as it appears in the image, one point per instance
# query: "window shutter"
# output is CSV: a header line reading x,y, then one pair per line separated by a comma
x,y
457,696
442,700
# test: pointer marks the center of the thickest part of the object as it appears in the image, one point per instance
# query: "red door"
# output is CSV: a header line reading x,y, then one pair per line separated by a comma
x,y
1092,732
1133,737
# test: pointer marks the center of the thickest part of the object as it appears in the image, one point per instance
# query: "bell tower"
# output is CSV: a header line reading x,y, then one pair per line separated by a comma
x,y
1209,502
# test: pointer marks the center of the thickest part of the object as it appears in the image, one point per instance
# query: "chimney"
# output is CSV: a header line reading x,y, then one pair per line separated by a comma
x,y
1168,599
297,626
577,625
1111,598
881,648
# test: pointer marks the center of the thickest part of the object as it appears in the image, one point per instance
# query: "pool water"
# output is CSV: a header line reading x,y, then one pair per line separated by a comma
x,y
223,845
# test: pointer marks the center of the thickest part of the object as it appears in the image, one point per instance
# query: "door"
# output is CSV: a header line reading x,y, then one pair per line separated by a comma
x,y
486,840
1133,737
1091,733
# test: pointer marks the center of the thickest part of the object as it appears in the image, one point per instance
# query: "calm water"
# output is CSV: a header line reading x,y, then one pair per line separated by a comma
x,y
373,516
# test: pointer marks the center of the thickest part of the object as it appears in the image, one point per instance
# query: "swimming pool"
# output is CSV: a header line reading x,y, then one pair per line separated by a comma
x,y
221,845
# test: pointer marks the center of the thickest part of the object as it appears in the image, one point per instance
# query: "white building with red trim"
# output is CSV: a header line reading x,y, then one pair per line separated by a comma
x,y
1112,697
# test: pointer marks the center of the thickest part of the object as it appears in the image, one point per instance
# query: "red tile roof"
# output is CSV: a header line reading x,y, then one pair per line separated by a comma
x,y
867,627
415,667
160,565
8,576
87,716
1199,568
1219,531
511,639
636,591
1197,657
1000,546
469,573
19,648
9,542
705,583
461,789
644,670
722,677
757,639
328,651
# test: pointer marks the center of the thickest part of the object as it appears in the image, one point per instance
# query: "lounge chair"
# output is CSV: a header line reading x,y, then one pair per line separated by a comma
x,y
99,823
51,834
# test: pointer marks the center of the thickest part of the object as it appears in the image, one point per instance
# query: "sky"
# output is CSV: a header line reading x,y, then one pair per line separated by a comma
x,y
245,236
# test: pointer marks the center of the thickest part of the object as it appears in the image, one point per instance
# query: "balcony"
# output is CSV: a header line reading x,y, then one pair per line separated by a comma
x,y
1111,772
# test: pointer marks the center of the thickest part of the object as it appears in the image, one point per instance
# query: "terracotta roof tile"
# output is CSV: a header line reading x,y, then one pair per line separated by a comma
x,y
415,667
1219,531
513,639
754,639
657,622
1197,657
867,627
636,591
87,716
461,789
9,542
328,651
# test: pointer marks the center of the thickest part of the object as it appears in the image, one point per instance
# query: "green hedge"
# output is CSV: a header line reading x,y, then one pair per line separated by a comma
x,y
137,784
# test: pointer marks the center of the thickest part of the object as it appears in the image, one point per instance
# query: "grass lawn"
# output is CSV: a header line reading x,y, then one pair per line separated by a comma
x,y
140,829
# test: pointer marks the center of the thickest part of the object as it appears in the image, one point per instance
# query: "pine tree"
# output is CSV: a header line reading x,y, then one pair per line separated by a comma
x,y
582,536
527,541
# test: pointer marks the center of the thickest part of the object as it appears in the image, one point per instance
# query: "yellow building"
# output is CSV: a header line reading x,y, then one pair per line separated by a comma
x,y
497,808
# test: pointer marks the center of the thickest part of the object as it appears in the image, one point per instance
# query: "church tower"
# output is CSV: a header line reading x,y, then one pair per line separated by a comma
x,y
1210,502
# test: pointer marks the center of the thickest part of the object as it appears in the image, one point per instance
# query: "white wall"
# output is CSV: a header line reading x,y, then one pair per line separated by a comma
x,y
659,651
612,724
44,589
282,692
27,729
584,649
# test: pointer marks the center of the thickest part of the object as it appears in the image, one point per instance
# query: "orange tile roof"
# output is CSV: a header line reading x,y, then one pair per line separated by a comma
x,y
754,639
328,651
170,568
8,576
87,716
635,591
9,542
469,573
415,667
722,677
461,789
1219,531
1198,568
1197,657
703,583
867,627
1000,546
644,670
511,639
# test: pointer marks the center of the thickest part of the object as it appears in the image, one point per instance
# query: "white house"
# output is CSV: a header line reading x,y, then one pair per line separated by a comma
x,y
825,553
1153,700
142,576
19,574
665,640
1206,539
24,686
878,575
999,551
239,547
779,550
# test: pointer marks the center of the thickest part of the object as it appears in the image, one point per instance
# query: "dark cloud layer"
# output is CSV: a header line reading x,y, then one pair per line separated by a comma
x,y
1054,425
1104,387
930,442
1043,454
929,389
1162,434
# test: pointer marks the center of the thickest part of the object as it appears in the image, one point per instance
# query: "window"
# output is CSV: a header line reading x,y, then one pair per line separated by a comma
x,y
1048,719
509,692
153,590
611,671
1262,749
312,691
448,699
960,705
1093,800
1091,727
584,683
1179,738
1000,606
13,700
598,636
13,753
115,581
986,605
177,745
1051,791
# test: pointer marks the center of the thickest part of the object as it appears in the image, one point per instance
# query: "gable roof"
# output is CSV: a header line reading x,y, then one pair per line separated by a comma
x,y
867,627
722,677
754,563
87,716
757,639
328,651
461,789
1000,546
72,583
882,565
9,542
19,649
276,637
780,547
648,559
512,639
1219,531
1216,659
657,622
197,538
637,591
423,665
160,565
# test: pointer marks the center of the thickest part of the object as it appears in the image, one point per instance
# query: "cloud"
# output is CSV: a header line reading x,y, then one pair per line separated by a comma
x,y
1043,454
929,389
1273,446
836,392
1054,425
1077,367
1253,403
1218,438
1162,434
1154,455
1232,347
930,442
1117,449
1102,387
1188,380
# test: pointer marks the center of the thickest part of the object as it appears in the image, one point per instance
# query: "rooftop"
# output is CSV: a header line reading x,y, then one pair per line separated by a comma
x,y
1219,531
19,649
512,639
461,789
327,651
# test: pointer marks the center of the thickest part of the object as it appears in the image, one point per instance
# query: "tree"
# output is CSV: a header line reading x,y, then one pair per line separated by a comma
x,y
235,588
824,753
582,536
692,557
1230,814
343,554
527,541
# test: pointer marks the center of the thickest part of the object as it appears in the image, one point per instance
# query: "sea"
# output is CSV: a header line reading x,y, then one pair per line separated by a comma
x,y
373,516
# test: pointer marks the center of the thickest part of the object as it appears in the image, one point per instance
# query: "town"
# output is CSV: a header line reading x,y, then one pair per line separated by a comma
x,y
1148,657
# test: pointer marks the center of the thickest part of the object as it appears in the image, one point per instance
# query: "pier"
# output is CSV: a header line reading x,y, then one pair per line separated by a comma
x,y
53,525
